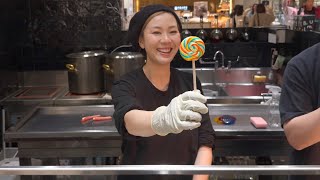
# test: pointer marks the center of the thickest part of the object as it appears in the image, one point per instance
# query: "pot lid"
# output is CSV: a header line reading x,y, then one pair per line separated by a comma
x,y
126,55
85,54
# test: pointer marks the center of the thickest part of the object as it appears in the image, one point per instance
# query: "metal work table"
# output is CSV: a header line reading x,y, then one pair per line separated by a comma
x,y
58,132
242,138
53,132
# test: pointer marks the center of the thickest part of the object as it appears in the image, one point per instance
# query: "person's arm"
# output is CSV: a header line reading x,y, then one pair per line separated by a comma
x,y
138,123
182,113
245,12
299,114
303,131
272,18
204,157
269,10
299,11
251,20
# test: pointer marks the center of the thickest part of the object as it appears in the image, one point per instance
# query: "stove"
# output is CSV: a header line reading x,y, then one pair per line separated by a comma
x,y
56,95
68,98
37,93
24,100
6,92
95,95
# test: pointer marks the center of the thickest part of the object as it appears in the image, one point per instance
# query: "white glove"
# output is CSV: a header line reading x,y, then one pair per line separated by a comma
x,y
183,113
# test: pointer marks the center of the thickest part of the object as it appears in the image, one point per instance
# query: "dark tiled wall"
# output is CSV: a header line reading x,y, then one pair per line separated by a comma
x,y
39,33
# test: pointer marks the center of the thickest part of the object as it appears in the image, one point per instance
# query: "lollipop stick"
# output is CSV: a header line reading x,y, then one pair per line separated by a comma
x,y
194,75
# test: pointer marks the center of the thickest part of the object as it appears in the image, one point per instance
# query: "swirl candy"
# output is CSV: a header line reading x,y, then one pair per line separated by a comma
x,y
192,48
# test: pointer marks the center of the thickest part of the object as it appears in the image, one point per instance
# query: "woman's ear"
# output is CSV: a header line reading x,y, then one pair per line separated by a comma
x,y
141,42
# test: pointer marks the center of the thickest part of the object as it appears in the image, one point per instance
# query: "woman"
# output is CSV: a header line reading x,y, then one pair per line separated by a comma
x,y
237,16
248,13
308,8
261,18
159,121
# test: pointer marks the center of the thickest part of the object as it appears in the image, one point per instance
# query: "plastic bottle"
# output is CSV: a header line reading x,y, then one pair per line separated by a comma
x,y
302,12
274,115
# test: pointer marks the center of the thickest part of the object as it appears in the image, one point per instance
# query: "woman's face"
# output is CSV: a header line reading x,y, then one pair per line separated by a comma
x,y
161,39
309,4
254,7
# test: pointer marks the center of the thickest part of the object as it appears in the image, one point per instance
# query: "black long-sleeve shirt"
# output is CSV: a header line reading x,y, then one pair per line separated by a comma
x,y
135,91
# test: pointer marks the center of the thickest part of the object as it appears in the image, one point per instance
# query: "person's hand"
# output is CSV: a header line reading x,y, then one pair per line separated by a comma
x,y
183,113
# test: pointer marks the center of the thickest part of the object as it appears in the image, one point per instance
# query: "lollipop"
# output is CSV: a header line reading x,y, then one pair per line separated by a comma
x,y
191,49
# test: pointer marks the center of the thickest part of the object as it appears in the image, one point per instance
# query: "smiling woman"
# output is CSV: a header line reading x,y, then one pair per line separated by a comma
x,y
161,119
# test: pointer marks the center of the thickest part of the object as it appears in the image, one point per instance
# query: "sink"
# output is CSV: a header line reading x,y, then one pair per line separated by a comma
x,y
233,75
234,93
211,90
245,89
233,89
232,86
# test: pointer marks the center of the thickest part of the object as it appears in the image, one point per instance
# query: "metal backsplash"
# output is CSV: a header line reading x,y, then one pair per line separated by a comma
x,y
43,78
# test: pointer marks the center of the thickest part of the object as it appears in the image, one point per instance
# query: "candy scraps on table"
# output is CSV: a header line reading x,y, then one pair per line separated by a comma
x,y
225,119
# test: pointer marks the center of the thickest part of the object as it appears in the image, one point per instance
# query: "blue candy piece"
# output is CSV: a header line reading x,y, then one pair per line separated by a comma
x,y
228,120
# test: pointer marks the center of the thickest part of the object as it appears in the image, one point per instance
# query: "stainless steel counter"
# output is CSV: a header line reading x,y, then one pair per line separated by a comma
x,y
58,132
244,139
64,122
51,132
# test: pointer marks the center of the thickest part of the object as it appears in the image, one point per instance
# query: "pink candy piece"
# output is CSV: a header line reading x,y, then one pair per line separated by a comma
x,y
258,122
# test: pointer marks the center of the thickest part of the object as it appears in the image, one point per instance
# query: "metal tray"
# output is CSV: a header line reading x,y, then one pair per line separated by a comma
x,y
64,122
242,126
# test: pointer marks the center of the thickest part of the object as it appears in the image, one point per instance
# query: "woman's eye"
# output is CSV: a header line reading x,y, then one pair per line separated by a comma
x,y
156,32
173,32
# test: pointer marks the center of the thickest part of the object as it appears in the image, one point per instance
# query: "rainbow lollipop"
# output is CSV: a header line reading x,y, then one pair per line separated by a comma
x,y
191,49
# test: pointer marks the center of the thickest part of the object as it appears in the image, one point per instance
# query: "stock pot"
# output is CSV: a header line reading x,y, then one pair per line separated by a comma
x,y
85,72
119,63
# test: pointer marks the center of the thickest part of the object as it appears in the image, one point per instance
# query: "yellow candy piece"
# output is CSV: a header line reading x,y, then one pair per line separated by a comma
x,y
192,48
218,120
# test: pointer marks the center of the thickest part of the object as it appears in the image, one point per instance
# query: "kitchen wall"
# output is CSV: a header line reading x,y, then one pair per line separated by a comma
x,y
39,33
8,77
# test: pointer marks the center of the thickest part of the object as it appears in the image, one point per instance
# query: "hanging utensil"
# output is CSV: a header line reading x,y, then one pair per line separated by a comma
x,y
185,33
202,34
232,35
216,35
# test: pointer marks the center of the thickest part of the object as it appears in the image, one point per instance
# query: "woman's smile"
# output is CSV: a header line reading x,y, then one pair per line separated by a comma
x,y
164,50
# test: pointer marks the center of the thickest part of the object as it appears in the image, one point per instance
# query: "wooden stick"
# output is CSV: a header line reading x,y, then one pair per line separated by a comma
x,y
194,75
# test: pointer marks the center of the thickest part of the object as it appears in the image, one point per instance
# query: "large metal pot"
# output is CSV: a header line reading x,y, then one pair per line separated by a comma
x,y
119,63
85,73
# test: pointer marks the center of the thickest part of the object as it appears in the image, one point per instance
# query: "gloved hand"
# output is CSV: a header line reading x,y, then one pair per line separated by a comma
x,y
183,113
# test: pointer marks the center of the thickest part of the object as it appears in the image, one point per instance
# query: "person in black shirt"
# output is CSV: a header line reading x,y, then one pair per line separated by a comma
x,y
308,8
299,108
161,119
